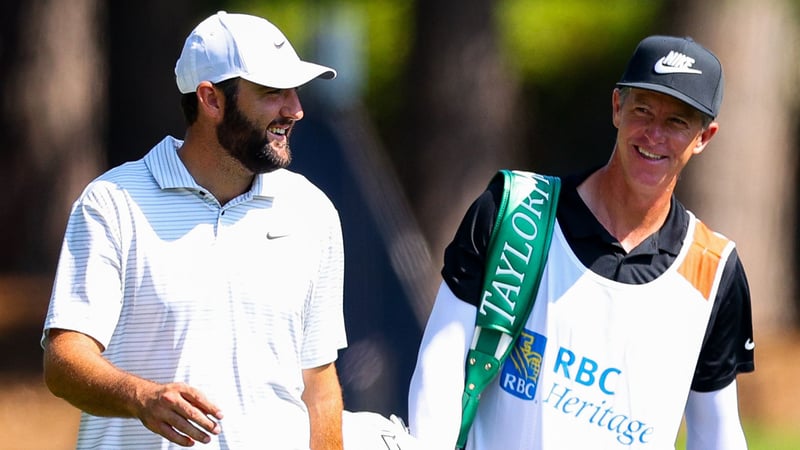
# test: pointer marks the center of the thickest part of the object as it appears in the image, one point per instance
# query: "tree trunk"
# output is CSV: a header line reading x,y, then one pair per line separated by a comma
x,y
744,184
147,38
459,126
53,89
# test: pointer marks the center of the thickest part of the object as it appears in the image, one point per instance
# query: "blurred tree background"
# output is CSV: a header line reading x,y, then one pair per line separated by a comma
x,y
432,98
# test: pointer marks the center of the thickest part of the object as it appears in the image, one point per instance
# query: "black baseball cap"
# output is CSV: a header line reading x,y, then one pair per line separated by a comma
x,y
679,67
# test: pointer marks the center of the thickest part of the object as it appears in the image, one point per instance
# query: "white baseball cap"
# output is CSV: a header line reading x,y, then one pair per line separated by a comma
x,y
226,46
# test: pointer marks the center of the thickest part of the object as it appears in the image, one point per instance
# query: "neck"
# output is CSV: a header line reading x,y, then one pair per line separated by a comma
x,y
625,212
213,168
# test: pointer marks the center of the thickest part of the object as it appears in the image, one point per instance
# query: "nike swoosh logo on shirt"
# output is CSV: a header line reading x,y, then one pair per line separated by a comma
x,y
276,234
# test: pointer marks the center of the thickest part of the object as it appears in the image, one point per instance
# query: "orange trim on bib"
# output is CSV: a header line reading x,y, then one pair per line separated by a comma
x,y
702,261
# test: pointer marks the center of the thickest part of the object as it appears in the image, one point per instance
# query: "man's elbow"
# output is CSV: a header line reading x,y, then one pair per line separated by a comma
x,y
52,372
64,353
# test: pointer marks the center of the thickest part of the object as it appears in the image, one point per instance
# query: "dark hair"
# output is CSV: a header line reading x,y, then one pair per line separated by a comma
x,y
229,88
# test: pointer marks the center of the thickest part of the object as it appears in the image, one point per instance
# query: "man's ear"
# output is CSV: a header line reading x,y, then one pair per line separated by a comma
x,y
705,137
616,105
209,101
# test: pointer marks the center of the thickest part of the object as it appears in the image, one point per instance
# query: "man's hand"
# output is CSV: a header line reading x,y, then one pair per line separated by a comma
x,y
178,412
76,371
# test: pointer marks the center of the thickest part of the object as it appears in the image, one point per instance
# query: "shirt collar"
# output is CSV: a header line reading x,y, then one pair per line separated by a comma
x,y
170,173
269,184
167,168
578,222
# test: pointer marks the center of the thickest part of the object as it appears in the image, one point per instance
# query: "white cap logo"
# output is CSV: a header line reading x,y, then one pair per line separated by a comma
x,y
675,62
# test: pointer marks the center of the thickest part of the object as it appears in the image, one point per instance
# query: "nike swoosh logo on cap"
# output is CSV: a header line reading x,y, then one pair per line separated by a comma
x,y
675,63
276,234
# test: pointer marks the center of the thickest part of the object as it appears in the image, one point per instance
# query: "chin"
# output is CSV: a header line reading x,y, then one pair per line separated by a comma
x,y
281,154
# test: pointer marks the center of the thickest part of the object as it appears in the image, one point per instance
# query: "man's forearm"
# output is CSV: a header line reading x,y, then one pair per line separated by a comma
x,y
712,420
326,426
323,397
88,382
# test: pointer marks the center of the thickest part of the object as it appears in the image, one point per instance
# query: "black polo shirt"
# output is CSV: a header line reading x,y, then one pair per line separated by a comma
x,y
724,352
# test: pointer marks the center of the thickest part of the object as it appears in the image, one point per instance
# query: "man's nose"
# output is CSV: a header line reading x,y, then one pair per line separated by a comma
x,y
291,106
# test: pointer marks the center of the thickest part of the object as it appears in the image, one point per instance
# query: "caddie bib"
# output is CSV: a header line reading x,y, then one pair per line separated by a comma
x,y
602,364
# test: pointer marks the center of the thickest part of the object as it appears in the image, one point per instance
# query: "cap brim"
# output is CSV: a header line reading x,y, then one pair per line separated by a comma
x,y
299,74
672,93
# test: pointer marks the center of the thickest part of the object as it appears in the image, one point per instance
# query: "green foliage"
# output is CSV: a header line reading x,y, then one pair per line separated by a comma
x,y
383,35
294,18
541,39
390,34
385,26
544,39
760,436
763,437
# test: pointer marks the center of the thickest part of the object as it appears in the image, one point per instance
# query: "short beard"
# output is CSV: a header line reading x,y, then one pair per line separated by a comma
x,y
247,143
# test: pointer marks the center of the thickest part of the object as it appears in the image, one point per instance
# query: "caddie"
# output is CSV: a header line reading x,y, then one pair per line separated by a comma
x,y
642,315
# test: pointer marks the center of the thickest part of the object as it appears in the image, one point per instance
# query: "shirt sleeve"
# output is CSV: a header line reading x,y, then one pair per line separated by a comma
x,y
324,329
728,345
712,420
87,292
465,256
437,384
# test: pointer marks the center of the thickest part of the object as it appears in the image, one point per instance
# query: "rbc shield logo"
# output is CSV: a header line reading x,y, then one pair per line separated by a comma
x,y
520,373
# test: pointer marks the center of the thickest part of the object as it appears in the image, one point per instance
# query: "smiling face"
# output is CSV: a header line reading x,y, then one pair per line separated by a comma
x,y
657,135
256,126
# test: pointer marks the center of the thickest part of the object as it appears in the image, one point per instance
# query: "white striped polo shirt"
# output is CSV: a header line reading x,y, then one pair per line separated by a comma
x,y
233,299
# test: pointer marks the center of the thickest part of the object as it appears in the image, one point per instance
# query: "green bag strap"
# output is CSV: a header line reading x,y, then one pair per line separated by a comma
x,y
515,261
